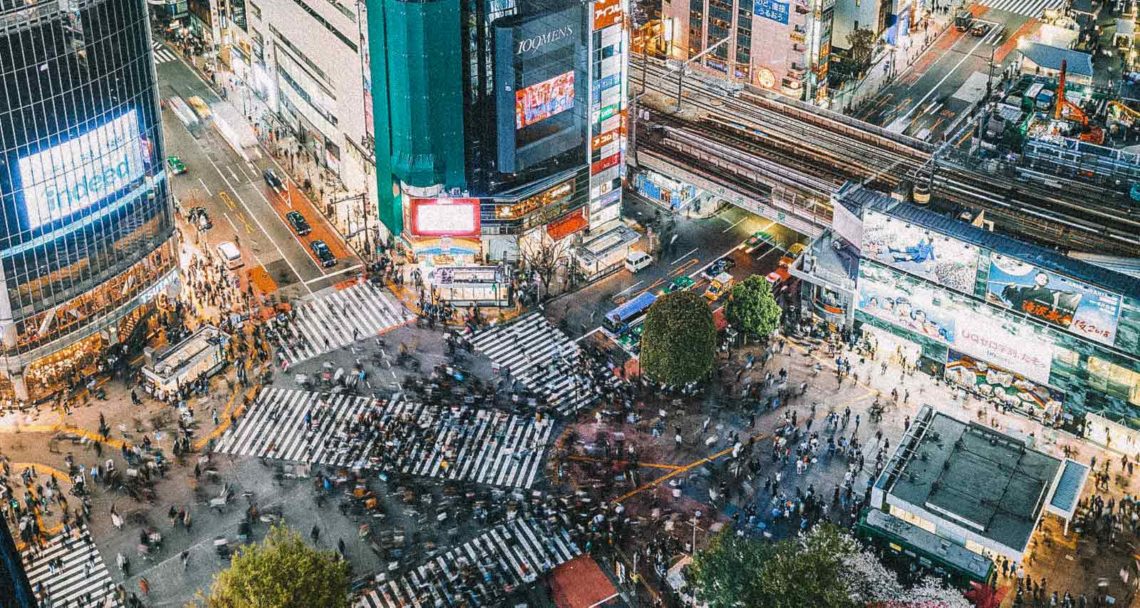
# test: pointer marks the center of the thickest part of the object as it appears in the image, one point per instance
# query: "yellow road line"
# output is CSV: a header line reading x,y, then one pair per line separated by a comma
x,y
682,469
228,200
226,417
651,465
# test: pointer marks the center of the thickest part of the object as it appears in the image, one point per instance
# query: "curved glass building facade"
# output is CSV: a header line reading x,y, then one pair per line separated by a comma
x,y
86,220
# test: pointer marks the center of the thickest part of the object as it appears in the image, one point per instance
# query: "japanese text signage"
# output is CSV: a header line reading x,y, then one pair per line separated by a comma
x,y
1084,310
771,9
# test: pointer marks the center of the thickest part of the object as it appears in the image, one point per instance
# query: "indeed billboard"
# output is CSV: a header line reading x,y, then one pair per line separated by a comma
x,y
82,171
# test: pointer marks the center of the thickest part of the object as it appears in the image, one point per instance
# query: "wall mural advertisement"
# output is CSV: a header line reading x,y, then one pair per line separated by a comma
x,y
1081,309
916,250
993,382
934,313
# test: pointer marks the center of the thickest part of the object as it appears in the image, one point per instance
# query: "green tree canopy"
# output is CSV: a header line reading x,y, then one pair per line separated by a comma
x,y
678,344
824,568
752,308
281,572
862,48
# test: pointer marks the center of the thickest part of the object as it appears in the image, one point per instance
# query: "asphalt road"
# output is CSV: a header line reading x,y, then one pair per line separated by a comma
x,y
699,243
242,207
931,98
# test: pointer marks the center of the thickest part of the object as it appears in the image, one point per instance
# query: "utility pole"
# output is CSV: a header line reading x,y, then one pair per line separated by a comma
x,y
681,70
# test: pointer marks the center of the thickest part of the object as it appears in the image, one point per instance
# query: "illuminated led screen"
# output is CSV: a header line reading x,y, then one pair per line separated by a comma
x,y
544,99
82,171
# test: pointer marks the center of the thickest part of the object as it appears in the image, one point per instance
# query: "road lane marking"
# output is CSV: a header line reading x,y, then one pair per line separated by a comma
x,y
905,117
684,255
333,274
734,225
229,201
259,225
205,187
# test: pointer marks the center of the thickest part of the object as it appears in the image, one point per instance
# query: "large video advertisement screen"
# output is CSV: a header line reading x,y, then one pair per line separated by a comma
x,y
1046,296
543,100
82,171
540,87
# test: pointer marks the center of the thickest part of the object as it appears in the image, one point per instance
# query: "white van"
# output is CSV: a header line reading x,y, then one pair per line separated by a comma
x,y
230,255
636,260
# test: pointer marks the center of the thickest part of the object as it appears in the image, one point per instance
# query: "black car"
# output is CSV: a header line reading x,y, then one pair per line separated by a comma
x,y
719,266
271,178
199,218
325,256
297,221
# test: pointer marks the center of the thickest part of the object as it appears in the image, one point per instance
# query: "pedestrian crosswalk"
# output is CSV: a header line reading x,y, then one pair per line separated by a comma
x,y
444,442
69,572
543,358
480,572
161,53
339,318
1026,8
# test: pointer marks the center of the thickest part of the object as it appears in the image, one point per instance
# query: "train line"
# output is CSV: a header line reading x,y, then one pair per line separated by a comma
x,y
762,131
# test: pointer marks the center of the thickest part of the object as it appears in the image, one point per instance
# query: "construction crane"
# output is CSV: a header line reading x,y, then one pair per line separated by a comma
x,y
1069,111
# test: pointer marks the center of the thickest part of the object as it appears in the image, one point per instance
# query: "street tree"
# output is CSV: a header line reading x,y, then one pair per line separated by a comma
x,y
678,344
825,567
281,572
862,48
752,308
544,256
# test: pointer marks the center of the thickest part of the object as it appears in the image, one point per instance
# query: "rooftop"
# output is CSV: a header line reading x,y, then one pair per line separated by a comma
x,y
831,259
1050,57
858,197
978,478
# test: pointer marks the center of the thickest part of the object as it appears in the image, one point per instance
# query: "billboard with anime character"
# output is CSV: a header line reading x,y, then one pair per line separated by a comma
x,y
1082,309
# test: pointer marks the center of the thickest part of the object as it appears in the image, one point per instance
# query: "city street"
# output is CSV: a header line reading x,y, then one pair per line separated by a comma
x,y
241,205
932,98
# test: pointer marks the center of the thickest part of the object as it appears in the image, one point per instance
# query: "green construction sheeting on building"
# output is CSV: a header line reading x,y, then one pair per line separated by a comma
x,y
418,97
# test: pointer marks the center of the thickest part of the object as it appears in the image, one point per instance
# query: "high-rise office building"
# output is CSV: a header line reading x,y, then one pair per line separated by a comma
x,y
499,125
87,222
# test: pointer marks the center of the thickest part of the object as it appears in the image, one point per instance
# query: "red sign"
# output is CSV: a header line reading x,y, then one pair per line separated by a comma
x,y
444,216
606,13
605,163
600,140
568,224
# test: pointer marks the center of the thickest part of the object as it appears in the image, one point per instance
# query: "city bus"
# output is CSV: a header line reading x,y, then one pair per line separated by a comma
x,y
619,320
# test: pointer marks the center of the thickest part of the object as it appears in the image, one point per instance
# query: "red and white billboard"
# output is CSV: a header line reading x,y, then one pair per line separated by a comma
x,y
444,216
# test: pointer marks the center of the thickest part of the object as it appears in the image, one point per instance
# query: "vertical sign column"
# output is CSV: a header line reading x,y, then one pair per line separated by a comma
x,y
608,62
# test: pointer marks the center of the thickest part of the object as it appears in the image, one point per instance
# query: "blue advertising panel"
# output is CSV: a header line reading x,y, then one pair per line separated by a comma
x,y
1082,309
771,9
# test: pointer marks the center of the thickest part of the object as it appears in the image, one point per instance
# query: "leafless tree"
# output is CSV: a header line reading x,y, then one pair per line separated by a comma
x,y
544,255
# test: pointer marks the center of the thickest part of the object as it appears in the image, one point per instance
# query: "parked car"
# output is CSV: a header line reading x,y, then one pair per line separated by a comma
x,y
298,223
757,239
175,164
637,260
326,257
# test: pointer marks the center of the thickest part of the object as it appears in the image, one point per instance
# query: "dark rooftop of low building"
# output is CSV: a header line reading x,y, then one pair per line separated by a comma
x,y
982,480
855,198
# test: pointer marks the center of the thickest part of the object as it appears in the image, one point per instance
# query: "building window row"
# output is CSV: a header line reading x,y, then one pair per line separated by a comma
x,y
328,26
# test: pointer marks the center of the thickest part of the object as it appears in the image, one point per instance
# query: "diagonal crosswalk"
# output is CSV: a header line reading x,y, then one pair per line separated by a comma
x,y
543,358
444,442
161,53
69,571
339,318
1025,8
479,572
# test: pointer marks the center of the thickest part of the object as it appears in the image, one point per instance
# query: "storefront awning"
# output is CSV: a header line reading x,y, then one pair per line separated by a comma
x,y
567,224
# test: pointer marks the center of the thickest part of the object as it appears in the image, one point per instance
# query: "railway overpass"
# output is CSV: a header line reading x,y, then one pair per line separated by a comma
x,y
781,159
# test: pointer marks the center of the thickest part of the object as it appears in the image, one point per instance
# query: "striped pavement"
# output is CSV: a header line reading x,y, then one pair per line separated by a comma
x,y
162,54
340,317
475,573
1026,8
70,574
543,358
444,442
